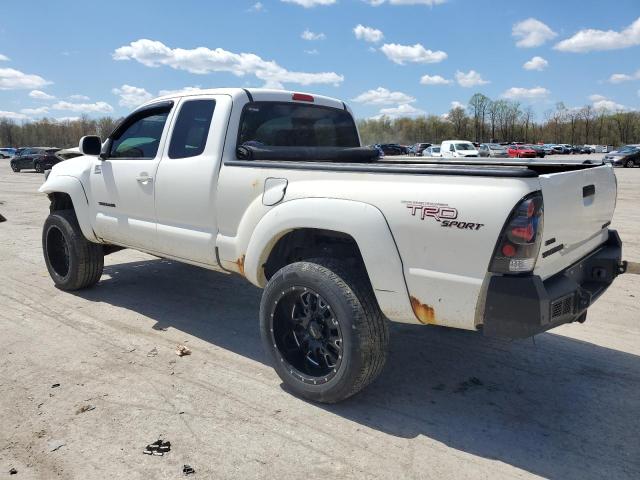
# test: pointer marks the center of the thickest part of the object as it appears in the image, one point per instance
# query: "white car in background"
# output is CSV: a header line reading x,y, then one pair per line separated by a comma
x,y
458,149
432,151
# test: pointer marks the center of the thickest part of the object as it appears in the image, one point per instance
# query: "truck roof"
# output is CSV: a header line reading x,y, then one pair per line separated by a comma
x,y
256,94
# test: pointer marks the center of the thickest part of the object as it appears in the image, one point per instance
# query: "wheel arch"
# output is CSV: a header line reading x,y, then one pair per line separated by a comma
x,y
344,225
66,192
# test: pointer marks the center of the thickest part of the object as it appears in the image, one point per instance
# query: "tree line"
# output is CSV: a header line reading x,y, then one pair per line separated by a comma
x,y
483,120
487,120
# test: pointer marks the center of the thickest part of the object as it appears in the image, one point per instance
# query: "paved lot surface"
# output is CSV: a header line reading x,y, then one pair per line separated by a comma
x,y
566,406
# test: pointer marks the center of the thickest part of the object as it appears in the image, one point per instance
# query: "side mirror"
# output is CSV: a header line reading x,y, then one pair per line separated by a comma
x,y
90,145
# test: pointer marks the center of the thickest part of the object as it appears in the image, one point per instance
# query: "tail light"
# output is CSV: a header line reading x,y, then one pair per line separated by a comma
x,y
519,242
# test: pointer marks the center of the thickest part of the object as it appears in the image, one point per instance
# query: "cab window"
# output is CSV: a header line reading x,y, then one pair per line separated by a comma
x,y
141,138
191,130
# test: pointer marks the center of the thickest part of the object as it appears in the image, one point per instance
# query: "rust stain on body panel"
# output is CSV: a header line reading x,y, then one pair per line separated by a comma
x,y
425,313
240,263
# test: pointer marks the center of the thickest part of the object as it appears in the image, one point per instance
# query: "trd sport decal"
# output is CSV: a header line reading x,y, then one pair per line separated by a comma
x,y
442,213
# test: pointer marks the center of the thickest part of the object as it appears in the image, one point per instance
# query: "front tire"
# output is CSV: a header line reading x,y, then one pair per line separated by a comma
x,y
15,168
73,262
629,164
323,329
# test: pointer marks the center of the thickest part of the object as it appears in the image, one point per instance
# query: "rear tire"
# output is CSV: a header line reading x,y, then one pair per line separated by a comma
x,y
15,168
629,164
73,262
322,327
38,168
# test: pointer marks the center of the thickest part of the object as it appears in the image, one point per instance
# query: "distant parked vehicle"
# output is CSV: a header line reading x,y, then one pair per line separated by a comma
x,y
432,151
539,149
391,149
521,151
627,156
68,154
419,148
493,150
7,152
38,159
458,149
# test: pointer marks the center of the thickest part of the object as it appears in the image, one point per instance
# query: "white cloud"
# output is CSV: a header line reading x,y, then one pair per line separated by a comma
x,y
402,110
600,102
312,36
457,104
536,63
434,80
402,54
590,39
368,34
532,33
383,96
180,91
3,58
429,3
624,77
519,93
35,111
82,98
11,79
97,107
313,51
40,95
66,119
310,3
131,96
256,8
470,79
13,115
203,60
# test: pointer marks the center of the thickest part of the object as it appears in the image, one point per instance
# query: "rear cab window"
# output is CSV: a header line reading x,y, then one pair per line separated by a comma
x,y
189,137
286,124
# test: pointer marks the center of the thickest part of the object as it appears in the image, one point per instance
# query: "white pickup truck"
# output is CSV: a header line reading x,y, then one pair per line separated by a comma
x,y
275,186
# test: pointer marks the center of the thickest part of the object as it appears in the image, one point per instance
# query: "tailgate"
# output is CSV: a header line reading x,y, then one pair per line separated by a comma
x,y
578,207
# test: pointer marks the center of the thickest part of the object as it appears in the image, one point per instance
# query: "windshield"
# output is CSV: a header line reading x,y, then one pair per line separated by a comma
x,y
282,124
465,146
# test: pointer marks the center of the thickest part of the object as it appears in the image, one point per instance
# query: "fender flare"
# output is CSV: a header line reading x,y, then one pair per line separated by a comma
x,y
72,187
363,222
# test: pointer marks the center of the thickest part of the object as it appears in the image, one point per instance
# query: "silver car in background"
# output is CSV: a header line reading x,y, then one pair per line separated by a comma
x,y
493,150
432,151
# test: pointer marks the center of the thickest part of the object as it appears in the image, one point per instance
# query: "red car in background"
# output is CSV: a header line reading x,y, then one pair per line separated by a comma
x,y
521,151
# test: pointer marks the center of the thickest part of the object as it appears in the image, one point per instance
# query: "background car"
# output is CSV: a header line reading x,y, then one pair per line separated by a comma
x,y
521,151
391,149
7,152
432,151
627,156
539,149
493,150
38,159
68,153
418,149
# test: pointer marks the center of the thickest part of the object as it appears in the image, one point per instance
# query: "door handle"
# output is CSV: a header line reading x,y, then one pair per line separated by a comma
x,y
144,179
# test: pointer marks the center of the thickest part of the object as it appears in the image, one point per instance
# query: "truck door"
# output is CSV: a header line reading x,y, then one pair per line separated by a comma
x,y
187,179
123,184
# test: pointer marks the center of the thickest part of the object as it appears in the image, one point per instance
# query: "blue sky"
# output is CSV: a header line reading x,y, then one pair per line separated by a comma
x,y
407,57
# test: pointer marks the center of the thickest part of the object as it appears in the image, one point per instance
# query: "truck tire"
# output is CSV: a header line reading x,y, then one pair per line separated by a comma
x,y
73,262
323,330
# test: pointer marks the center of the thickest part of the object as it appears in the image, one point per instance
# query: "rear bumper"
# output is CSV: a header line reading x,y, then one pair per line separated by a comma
x,y
519,307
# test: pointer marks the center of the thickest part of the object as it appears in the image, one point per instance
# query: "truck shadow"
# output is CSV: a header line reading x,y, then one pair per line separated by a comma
x,y
559,408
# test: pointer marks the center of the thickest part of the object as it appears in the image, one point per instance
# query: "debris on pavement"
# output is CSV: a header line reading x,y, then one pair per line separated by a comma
x,y
85,408
153,352
55,385
55,445
158,448
182,350
13,471
2,219
188,470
